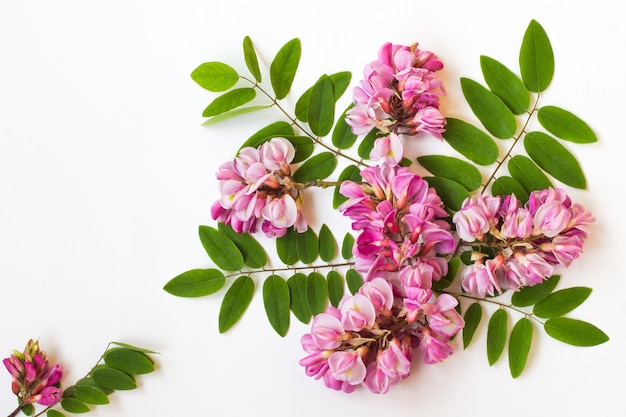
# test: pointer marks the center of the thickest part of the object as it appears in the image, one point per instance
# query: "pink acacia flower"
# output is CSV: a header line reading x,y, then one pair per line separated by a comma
x,y
35,380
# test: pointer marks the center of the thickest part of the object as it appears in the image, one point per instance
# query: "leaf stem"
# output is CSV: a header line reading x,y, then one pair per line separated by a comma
x,y
290,268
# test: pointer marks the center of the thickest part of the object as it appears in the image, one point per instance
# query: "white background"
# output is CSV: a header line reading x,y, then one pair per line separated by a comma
x,y
106,174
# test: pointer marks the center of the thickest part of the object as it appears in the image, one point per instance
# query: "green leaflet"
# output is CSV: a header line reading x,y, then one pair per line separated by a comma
x,y
138,349
536,58
253,253
235,302
286,247
352,173
302,106
453,169
284,66
505,185
220,249
334,283
565,125
128,361
276,299
50,413
327,243
528,296
317,167
28,409
367,144
321,108
113,379
496,335
470,141
574,332
555,159
232,113
229,101
494,115
340,80
342,137
276,129
472,319
353,280
307,246
505,84
303,146
316,292
252,62
215,76
519,346
346,246
90,394
196,283
74,405
298,291
452,193
561,302
528,174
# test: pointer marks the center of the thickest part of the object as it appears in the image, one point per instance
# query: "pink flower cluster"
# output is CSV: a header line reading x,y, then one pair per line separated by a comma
x,y
369,338
256,187
34,379
517,246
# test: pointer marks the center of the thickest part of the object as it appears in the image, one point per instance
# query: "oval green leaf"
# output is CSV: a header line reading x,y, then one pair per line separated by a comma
x,y
321,108
298,290
235,302
353,280
128,361
286,247
215,76
472,319
494,115
367,144
317,167
131,347
316,292
276,299
342,137
74,405
232,113
528,296
328,244
253,253
307,246
113,379
496,335
519,346
555,159
349,173
284,66
52,413
91,395
196,283
452,193
574,332
303,146
252,62
276,129
528,174
302,106
505,84
229,100
347,245
453,169
561,302
536,58
341,82
220,249
505,185
335,287
565,125
470,141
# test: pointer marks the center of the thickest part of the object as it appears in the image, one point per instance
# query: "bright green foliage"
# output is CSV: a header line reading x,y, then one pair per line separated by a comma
x,y
233,113
253,253
353,280
561,302
505,185
52,413
470,141
334,282
128,360
528,174
321,108
113,379
367,144
472,319
536,58
270,131
505,84
451,192
251,59
196,283
307,246
235,302
529,296
519,346
328,245
298,291
453,169
574,332
352,173
220,249
496,335
316,292
283,67
346,246
317,167
495,116
90,394
565,125
277,300
215,76
286,247
303,145
229,100
342,137
74,405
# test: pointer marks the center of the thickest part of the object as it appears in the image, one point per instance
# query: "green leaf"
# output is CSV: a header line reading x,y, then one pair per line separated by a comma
x,y
335,287
215,76
113,379
444,282
328,245
138,349
253,253
536,58
528,174
235,302
451,193
284,66
561,302
317,167
316,292
91,395
565,125
298,291
453,169
528,296
232,113
74,405
574,332
353,280
307,246
496,335
505,185
229,100
286,247
276,299
505,84
220,249
472,319
367,144
251,59
302,106
555,159
494,115
303,146
340,80
470,141
342,137
196,283
53,413
351,173
519,346
28,409
128,361
276,129
321,108
346,246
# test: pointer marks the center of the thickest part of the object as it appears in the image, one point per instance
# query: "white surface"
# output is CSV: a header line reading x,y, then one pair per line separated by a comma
x,y
106,173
